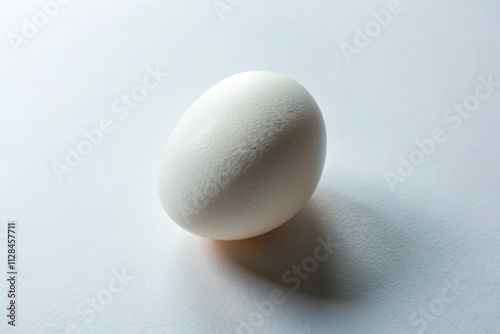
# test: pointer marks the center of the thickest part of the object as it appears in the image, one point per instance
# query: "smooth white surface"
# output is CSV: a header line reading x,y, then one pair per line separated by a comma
x,y
395,249
244,158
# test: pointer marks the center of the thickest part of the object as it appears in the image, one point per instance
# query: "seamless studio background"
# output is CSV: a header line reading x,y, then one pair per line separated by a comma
x,y
405,219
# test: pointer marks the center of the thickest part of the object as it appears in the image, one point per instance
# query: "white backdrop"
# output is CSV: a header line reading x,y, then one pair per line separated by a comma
x,y
407,205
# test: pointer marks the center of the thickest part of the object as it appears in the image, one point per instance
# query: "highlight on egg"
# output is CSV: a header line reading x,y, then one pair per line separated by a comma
x,y
244,158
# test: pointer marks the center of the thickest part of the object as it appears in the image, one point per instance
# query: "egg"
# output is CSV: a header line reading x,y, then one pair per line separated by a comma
x,y
244,158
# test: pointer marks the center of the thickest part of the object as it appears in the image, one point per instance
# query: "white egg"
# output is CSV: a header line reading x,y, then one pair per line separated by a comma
x,y
244,158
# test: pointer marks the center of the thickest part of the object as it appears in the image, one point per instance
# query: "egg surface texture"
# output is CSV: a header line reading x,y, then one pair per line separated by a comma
x,y
244,158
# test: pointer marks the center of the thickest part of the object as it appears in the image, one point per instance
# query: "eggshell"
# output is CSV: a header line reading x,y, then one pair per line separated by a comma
x,y
244,158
